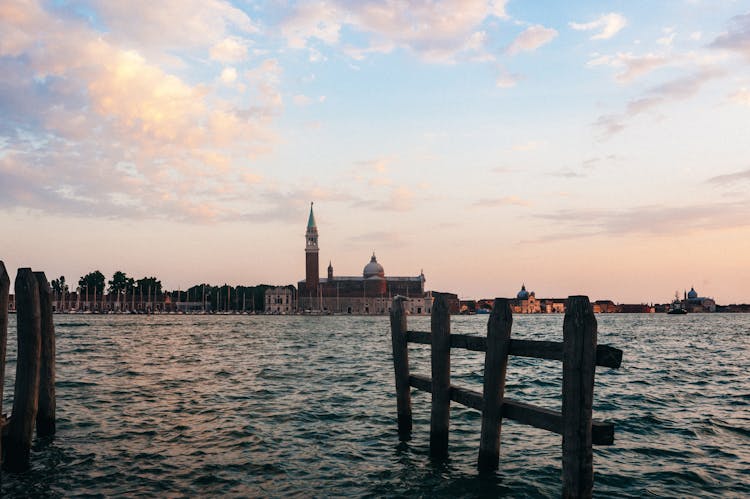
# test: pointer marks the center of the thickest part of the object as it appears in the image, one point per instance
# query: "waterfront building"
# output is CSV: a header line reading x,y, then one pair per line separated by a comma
x,y
370,293
526,302
694,303
604,307
280,300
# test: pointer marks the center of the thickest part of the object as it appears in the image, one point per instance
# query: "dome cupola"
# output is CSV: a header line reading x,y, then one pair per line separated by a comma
x,y
692,294
523,294
373,269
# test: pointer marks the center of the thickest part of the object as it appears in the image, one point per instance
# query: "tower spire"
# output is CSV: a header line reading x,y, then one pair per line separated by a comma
x,y
311,219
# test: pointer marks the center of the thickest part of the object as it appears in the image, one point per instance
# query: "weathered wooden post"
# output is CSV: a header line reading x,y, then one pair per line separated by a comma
x,y
4,291
441,378
26,395
495,365
579,363
401,367
45,418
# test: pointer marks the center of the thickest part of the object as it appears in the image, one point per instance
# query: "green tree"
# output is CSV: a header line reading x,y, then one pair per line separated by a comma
x,y
56,288
93,281
120,282
149,283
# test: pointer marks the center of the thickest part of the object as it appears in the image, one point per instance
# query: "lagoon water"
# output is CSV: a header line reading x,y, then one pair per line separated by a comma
x,y
248,406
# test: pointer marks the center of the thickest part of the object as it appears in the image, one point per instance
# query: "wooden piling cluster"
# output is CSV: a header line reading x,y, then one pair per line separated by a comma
x,y
578,352
34,395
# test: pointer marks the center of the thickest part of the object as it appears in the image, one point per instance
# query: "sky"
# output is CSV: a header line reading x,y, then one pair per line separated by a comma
x,y
598,148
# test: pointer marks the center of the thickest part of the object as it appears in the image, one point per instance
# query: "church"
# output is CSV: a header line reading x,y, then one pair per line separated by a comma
x,y
370,293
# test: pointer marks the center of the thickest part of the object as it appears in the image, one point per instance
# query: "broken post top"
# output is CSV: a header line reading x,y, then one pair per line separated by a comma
x,y
501,314
25,279
4,277
44,286
578,308
440,305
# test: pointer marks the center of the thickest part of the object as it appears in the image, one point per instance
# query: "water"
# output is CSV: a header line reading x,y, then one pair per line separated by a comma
x,y
245,406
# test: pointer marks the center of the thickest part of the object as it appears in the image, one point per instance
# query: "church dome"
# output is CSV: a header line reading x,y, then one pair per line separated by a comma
x,y
373,269
523,294
692,294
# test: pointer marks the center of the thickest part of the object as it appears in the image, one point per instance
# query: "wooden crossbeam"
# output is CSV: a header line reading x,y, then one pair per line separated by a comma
x,y
606,356
602,433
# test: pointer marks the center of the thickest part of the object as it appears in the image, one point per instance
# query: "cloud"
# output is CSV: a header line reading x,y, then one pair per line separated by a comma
x,y
153,25
229,75
658,220
312,20
737,37
680,88
668,39
436,30
383,238
741,96
497,8
301,100
531,39
504,201
100,128
507,80
608,24
730,178
531,145
568,173
633,66
229,50
399,199
374,172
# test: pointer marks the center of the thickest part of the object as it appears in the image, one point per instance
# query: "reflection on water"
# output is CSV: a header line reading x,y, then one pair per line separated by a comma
x,y
257,406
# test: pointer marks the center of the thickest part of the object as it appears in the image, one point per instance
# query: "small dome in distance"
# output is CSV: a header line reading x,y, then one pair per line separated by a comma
x,y
692,294
523,294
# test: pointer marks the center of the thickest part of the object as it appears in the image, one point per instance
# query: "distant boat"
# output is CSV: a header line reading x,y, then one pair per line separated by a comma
x,y
676,308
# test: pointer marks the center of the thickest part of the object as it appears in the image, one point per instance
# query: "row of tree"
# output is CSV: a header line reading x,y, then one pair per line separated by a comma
x,y
124,289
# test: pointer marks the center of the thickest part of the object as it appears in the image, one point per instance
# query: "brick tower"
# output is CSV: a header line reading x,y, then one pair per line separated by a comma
x,y
312,272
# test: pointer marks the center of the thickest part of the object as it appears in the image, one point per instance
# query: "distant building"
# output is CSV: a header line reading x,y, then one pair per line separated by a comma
x,y
696,304
370,293
280,300
604,307
635,308
526,302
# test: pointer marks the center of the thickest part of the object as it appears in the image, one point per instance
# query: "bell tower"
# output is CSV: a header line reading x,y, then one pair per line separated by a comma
x,y
312,270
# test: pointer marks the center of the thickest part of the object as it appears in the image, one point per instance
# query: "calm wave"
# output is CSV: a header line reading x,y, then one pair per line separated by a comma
x,y
242,406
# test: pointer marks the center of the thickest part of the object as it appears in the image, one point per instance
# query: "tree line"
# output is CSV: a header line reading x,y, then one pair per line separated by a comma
x,y
124,289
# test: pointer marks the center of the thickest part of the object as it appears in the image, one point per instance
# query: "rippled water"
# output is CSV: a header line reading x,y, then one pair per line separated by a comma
x,y
304,406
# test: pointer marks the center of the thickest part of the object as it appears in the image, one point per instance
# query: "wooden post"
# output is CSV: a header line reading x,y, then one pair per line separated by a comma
x,y
495,364
401,367
26,395
4,291
579,363
441,378
45,418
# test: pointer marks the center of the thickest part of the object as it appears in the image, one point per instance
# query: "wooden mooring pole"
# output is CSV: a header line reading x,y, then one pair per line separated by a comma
x,y
441,378
579,363
401,368
495,366
45,418
4,292
26,395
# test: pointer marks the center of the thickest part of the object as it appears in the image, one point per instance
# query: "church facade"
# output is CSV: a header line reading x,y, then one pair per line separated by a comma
x,y
370,293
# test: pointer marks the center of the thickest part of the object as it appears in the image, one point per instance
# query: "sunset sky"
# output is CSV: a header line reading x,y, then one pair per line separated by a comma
x,y
598,148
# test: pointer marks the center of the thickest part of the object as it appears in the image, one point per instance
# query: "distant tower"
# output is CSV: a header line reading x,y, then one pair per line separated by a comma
x,y
330,271
312,272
